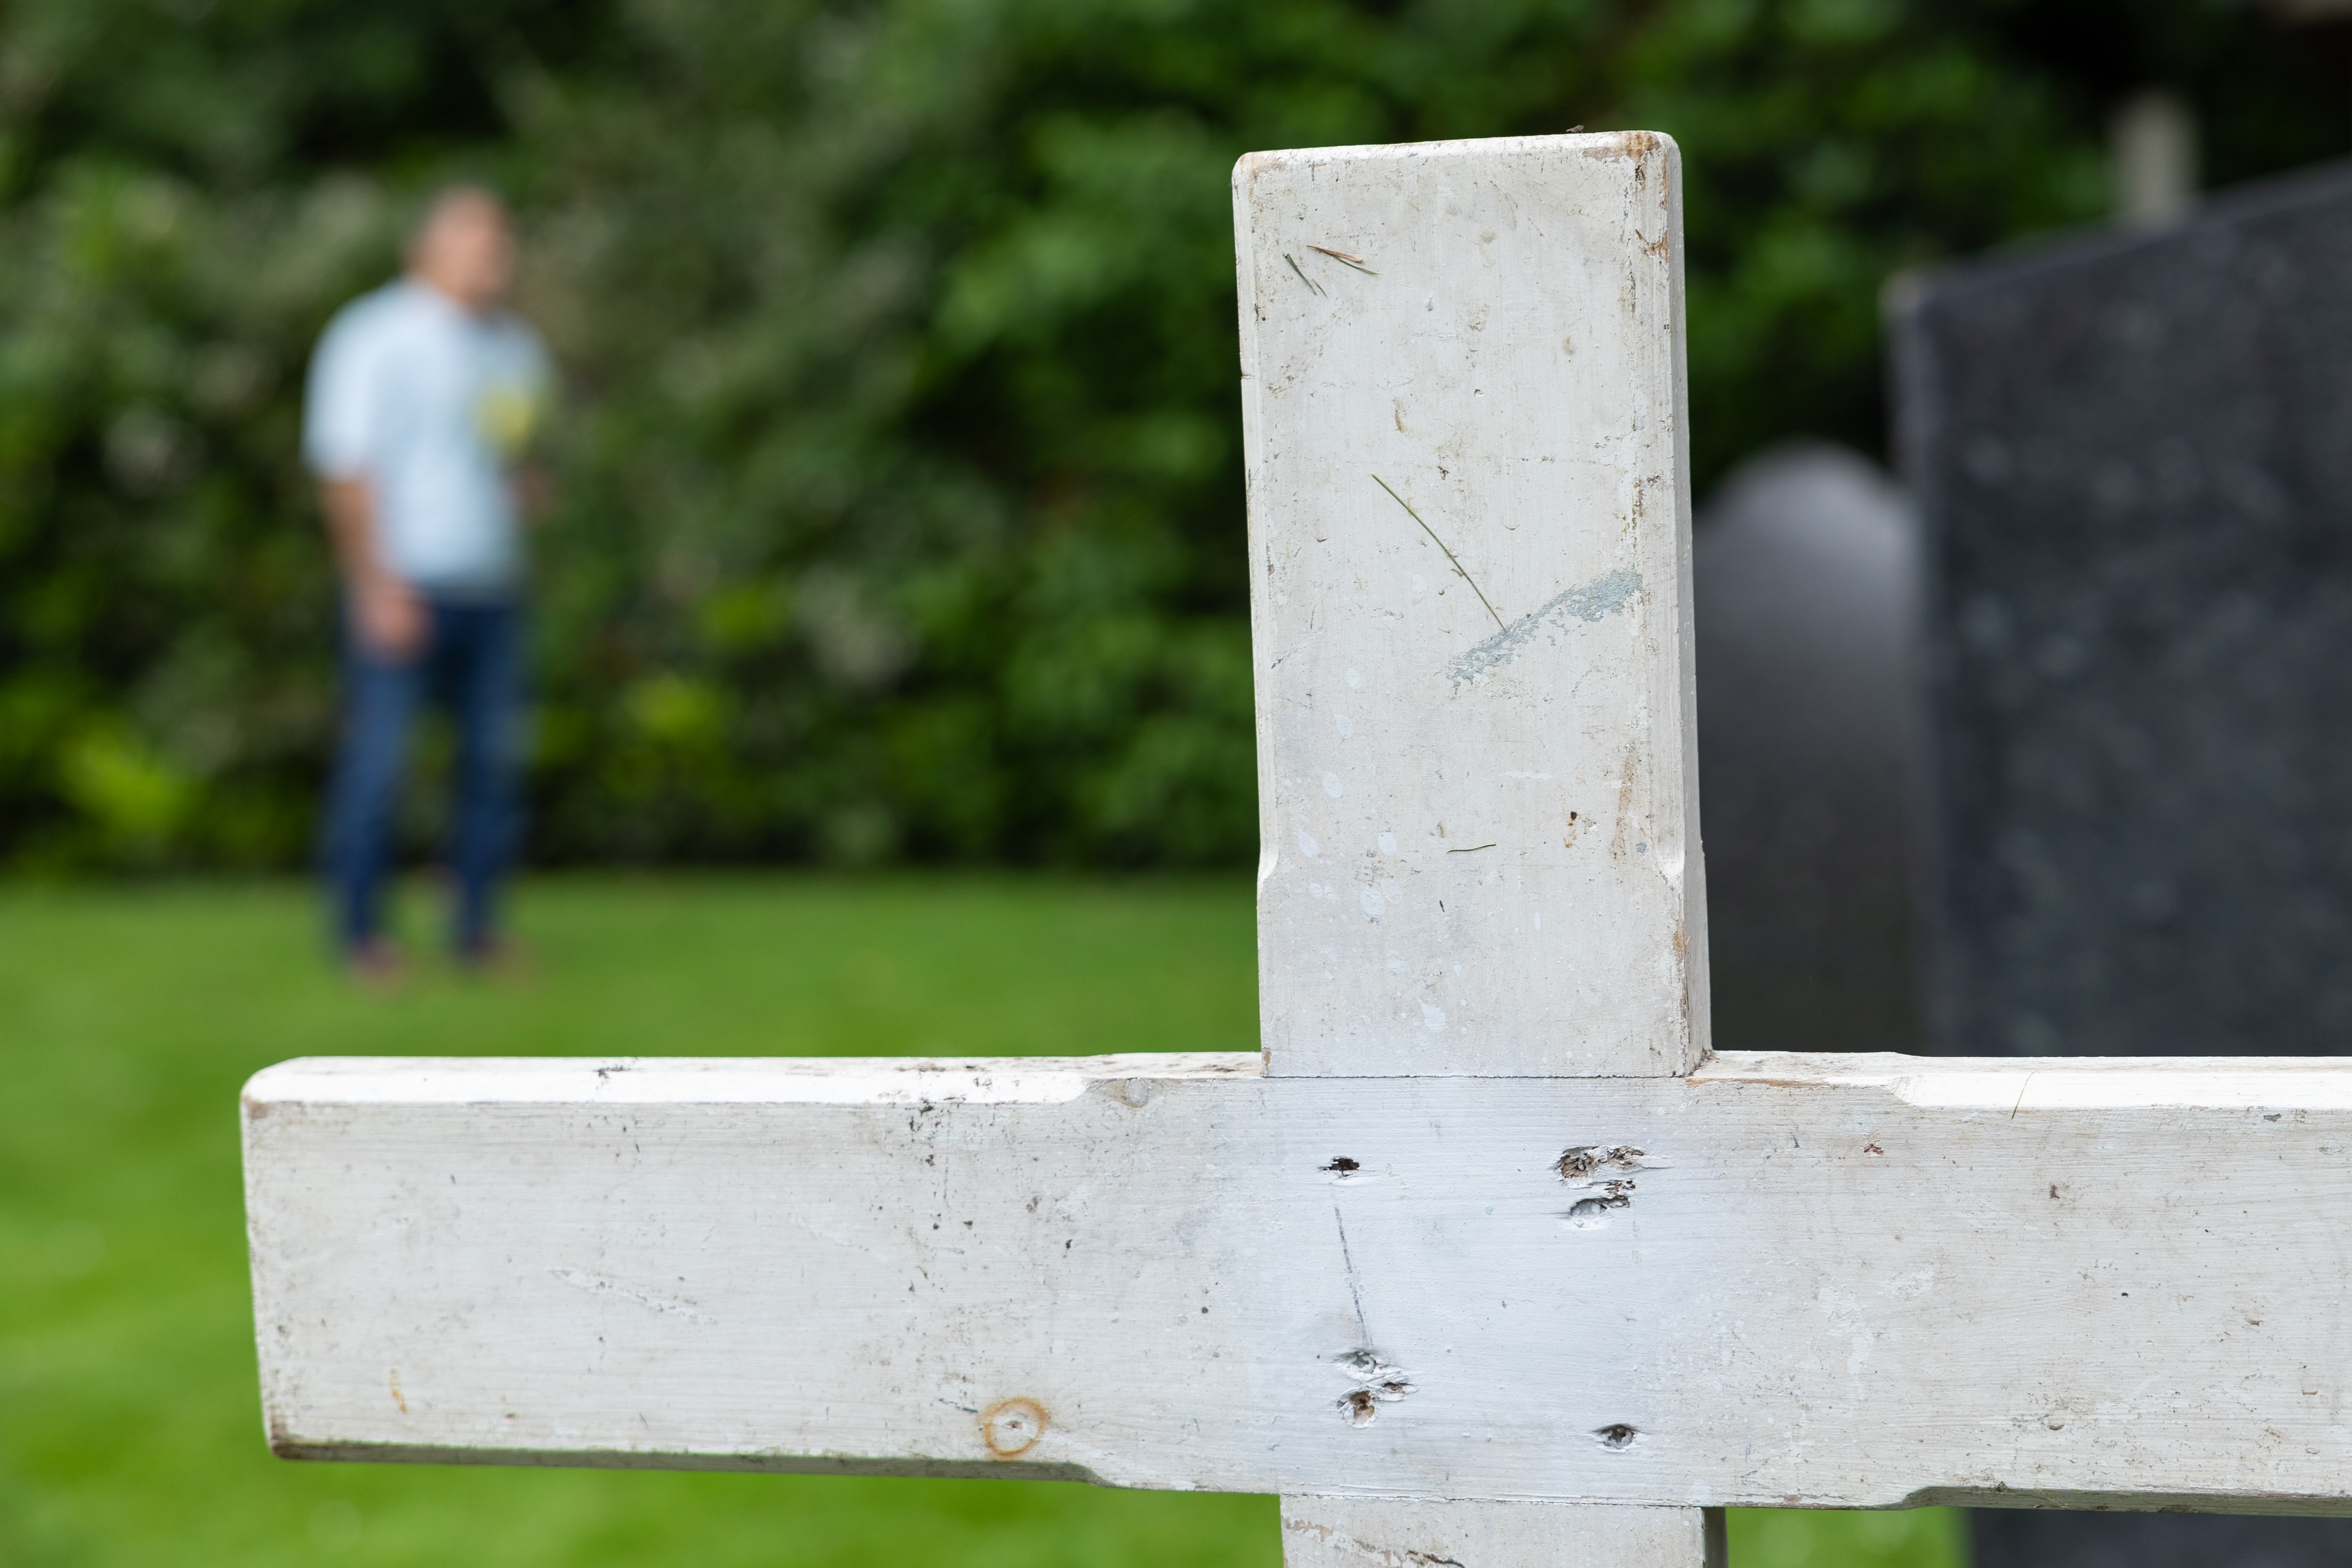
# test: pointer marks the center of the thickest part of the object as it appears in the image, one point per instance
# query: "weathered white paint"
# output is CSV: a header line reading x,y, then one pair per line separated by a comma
x,y
1393,1532
1463,404
1845,1282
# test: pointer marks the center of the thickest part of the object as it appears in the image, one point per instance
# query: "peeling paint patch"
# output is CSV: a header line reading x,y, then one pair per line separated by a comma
x,y
1584,1164
1592,1166
1590,601
1376,1383
1592,1213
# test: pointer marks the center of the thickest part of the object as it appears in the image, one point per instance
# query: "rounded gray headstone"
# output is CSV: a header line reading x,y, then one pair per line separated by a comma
x,y
1805,568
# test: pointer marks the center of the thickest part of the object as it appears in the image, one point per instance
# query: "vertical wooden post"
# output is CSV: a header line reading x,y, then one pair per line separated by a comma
x,y
1463,397
1462,379
1354,1532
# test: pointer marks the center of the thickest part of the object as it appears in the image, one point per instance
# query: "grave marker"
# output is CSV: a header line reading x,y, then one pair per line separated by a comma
x,y
1805,576
1485,1260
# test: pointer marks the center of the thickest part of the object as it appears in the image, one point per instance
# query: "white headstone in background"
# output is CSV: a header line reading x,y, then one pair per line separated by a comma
x,y
2153,141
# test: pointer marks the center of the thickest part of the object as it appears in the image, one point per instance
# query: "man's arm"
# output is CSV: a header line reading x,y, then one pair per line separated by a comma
x,y
534,491
386,614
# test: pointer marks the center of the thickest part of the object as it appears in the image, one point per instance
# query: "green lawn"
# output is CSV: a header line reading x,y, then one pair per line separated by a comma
x,y
129,1429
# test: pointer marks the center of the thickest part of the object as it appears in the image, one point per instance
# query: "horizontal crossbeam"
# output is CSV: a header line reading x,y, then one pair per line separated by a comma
x,y
1845,1282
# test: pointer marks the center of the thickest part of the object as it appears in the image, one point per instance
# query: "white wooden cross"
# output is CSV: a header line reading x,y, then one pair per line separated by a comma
x,y
1486,1261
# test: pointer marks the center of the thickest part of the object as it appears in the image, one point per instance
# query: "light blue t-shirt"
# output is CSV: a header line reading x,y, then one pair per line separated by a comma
x,y
431,404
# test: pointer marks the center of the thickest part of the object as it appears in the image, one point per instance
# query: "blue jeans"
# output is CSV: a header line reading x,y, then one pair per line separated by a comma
x,y
472,664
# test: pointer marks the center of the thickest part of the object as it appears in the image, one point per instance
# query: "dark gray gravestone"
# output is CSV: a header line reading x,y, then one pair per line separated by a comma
x,y
1805,576
2133,460
2021,1538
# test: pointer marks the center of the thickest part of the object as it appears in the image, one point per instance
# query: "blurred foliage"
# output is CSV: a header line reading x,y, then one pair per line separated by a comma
x,y
901,498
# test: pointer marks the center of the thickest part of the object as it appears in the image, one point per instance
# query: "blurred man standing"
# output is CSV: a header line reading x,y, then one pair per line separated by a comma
x,y
421,402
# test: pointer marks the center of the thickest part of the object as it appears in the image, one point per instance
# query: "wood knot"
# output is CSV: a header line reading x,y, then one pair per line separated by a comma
x,y
1010,1427
1579,1164
1377,1384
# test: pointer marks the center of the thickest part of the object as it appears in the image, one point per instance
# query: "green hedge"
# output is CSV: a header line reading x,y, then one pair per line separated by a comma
x,y
900,492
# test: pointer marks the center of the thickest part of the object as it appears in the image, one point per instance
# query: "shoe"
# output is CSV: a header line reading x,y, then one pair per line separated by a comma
x,y
495,958
374,965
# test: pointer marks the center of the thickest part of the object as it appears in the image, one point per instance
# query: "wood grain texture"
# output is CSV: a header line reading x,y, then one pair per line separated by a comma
x,y
1395,1532
1464,414
1826,1281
